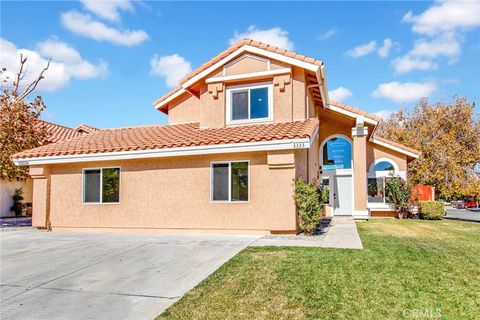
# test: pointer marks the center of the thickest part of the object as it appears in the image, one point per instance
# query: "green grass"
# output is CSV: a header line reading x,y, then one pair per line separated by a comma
x,y
426,266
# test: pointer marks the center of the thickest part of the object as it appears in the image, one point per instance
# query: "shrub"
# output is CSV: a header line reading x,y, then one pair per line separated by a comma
x,y
397,194
309,198
431,210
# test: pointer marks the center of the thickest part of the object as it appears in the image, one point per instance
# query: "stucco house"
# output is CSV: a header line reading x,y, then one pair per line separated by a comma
x,y
55,133
240,128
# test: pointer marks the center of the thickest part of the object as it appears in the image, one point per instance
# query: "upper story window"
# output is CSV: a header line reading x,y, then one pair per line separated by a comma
x,y
249,103
337,154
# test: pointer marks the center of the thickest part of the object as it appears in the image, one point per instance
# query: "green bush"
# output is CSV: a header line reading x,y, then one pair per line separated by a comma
x,y
431,210
309,198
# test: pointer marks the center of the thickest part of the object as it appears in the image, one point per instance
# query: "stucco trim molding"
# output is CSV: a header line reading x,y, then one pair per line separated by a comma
x,y
290,144
392,147
252,75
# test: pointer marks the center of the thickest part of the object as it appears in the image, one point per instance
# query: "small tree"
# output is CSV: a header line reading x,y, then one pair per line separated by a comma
x,y
309,198
397,194
19,129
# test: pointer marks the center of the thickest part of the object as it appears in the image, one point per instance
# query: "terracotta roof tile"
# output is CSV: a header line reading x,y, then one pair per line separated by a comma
x,y
58,132
231,49
171,136
355,110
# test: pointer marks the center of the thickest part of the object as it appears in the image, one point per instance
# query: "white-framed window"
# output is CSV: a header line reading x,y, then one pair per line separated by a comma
x,y
230,181
249,103
101,185
380,171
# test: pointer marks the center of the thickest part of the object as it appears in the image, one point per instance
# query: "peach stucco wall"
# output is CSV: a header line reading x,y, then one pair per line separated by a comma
x,y
174,193
289,103
375,151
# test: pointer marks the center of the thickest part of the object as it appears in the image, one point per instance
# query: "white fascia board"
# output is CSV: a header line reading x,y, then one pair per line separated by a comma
x,y
171,152
395,148
245,48
173,96
255,50
351,114
249,75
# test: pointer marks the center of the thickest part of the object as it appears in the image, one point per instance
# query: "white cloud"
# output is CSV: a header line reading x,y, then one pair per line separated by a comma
x,y
172,68
66,64
384,51
404,92
340,94
58,50
445,16
275,36
84,25
108,9
406,64
384,114
446,45
362,50
328,34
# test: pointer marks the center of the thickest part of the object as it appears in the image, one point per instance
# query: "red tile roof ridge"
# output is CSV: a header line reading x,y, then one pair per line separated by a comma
x,y
355,110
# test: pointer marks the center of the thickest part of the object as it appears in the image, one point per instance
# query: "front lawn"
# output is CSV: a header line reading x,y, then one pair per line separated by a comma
x,y
409,269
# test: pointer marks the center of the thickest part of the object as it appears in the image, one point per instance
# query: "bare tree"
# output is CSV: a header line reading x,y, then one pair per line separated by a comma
x,y
19,126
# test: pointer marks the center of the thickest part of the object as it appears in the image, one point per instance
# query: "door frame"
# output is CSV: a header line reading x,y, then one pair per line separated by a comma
x,y
332,173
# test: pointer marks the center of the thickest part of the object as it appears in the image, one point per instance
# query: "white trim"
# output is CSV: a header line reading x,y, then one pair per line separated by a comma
x,y
245,76
350,114
171,152
246,48
392,147
101,185
377,161
228,99
170,98
229,181
340,171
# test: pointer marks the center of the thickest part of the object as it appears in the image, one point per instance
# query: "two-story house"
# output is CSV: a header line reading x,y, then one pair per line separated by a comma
x,y
241,128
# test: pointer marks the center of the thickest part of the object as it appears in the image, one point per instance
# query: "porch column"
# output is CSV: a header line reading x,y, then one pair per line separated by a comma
x,y
359,136
41,196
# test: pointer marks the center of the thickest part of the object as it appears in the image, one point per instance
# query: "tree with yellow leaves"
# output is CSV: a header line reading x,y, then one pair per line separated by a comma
x,y
448,135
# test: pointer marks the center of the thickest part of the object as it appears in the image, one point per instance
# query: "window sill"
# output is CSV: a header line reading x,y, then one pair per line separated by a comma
x,y
251,121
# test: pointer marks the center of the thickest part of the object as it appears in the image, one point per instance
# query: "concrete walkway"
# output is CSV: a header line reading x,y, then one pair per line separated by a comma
x,y
341,233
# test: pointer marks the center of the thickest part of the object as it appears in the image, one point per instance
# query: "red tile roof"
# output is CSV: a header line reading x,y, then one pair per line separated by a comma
x,y
232,49
171,136
58,132
355,110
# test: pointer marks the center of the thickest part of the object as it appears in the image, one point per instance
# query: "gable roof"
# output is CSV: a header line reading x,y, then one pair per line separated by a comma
x,y
410,152
165,140
57,132
241,46
352,111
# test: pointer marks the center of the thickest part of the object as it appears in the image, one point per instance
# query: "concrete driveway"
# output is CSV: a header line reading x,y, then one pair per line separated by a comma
x,y
105,276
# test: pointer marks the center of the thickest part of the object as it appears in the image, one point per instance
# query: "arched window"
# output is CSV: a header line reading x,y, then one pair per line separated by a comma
x,y
380,171
384,166
337,154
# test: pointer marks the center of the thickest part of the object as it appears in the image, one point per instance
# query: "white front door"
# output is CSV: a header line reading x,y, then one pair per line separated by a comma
x,y
343,195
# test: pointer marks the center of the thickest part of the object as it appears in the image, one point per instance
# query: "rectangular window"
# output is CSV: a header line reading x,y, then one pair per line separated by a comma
x,y
230,181
101,185
249,103
376,190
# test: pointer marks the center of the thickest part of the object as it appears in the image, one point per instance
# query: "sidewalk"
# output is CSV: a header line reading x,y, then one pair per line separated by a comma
x,y
340,233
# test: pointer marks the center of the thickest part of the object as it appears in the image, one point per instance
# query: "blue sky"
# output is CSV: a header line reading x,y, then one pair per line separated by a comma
x,y
112,59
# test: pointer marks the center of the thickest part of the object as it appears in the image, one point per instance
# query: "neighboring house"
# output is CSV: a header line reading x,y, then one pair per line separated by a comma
x,y
241,128
56,133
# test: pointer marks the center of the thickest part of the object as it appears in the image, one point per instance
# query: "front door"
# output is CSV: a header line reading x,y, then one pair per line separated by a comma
x,y
343,195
